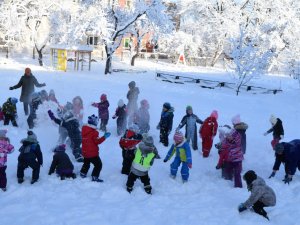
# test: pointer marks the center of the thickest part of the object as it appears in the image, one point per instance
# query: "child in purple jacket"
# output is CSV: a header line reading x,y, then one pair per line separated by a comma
x,y
5,148
103,111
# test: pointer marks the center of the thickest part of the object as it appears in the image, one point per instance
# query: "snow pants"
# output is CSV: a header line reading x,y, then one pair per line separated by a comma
x,y
207,143
128,157
184,168
10,118
144,179
3,180
33,164
103,124
234,169
96,161
164,136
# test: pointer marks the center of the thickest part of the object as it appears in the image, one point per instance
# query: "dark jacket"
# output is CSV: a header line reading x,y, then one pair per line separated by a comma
x,y
30,151
9,108
166,120
291,155
27,83
72,126
277,129
102,109
121,114
241,128
189,121
61,161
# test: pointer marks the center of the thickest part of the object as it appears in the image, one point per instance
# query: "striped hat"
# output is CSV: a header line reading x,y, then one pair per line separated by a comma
x,y
178,137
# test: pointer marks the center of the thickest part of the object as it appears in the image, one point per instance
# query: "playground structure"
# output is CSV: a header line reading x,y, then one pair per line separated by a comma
x,y
80,56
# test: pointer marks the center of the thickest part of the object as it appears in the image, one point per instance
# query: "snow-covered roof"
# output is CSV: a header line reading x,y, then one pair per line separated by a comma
x,y
73,47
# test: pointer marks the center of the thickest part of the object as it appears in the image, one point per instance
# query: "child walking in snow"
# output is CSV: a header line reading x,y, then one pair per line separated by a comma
x,y
182,151
9,110
143,160
61,163
128,145
121,115
5,148
261,194
90,149
103,112
208,131
142,117
35,102
190,121
165,124
30,156
240,127
277,129
132,96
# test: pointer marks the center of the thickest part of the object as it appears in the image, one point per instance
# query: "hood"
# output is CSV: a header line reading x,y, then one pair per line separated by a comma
x,y
145,149
258,182
241,126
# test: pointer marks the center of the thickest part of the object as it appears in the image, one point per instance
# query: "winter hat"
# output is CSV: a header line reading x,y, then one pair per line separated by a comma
x,y
249,177
189,108
148,141
60,148
120,103
93,120
13,100
145,104
279,148
31,137
178,137
3,133
68,106
35,96
167,105
44,95
103,97
51,92
273,120
214,114
27,71
135,128
131,84
236,119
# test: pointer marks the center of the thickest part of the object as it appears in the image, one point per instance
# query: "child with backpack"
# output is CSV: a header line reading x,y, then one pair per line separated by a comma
x,y
61,163
128,143
5,148
9,110
90,149
208,131
261,195
190,121
103,112
181,150
30,156
166,123
240,127
143,160
121,116
277,129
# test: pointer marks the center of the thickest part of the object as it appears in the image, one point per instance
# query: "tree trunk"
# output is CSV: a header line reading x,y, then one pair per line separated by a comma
x,y
108,64
33,53
40,57
135,56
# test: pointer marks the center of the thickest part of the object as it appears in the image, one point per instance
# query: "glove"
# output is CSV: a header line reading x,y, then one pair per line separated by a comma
x,y
165,160
272,174
242,207
190,165
158,127
218,167
51,115
49,173
266,133
43,84
114,117
281,136
11,88
287,179
106,135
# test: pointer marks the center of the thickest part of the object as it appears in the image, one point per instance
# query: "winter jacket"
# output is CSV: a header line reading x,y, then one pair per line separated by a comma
x,y
166,120
277,129
260,192
9,108
72,126
132,97
90,141
30,151
280,158
60,162
1,114
209,127
181,151
189,121
27,83
142,119
121,114
232,144
147,152
241,128
291,155
5,148
102,109
130,140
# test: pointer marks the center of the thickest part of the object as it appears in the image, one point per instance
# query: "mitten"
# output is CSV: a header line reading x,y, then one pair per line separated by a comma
x,y
49,173
190,165
43,84
272,174
287,179
51,115
11,88
266,133
114,117
165,160
242,207
106,135
218,167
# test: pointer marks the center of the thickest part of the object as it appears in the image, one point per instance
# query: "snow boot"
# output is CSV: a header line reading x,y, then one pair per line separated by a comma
x,y
82,175
33,181
4,189
20,180
97,179
148,190
129,189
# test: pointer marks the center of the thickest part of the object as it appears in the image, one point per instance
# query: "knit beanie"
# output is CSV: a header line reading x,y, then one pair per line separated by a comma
x,y
93,120
273,120
121,103
148,141
131,84
279,148
60,148
3,133
13,100
167,105
31,137
135,128
189,108
103,97
249,177
214,114
145,104
178,137
236,119
51,92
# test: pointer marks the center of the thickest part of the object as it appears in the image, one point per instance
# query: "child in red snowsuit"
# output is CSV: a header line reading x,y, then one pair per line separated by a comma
x,y
208,131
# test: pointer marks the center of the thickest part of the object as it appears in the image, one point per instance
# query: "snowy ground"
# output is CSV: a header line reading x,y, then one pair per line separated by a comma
x,y
205,199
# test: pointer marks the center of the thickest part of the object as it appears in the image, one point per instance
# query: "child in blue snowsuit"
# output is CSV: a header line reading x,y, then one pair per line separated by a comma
x,y
182,151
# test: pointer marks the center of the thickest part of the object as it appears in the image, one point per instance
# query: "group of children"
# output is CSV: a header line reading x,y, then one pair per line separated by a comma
x,y
138,149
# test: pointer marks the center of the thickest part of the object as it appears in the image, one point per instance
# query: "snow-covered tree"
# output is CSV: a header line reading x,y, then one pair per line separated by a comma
x,y
248,61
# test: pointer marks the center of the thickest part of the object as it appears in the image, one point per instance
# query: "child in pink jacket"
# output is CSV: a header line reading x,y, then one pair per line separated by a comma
x,y
5,148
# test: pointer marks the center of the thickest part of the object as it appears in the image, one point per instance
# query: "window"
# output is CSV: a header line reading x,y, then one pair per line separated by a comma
x,y
126,42
128,4
92,40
